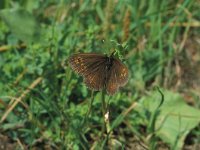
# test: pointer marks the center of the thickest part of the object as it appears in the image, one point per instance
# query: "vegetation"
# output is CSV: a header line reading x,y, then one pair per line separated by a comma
x,y
44,104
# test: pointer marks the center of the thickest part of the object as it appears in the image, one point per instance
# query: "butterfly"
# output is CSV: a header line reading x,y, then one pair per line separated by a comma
x,y
100,71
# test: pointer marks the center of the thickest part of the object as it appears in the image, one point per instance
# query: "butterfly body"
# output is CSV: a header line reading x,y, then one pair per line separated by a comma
x,y
100,71
109,63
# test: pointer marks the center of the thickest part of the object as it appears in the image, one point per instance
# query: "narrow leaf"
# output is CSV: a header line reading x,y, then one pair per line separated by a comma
x,y
22,24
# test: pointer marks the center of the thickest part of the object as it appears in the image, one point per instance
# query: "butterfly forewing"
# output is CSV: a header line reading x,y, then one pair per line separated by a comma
x,y
85,63
92,67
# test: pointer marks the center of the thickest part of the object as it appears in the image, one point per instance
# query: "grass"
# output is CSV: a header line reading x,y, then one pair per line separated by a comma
x,y
44,103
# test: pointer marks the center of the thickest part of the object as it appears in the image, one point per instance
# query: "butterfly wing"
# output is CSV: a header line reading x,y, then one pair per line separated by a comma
x,y
86,63
97,79
121,72
91,66
118,77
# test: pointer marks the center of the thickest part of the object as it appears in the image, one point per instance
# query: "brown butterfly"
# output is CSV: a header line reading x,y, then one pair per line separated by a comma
x,y
100,71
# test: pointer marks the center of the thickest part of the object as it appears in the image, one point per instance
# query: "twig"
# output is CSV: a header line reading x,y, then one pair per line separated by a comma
x,y
20,144
7,47
12,99
23,95
133,105
3,103
21,75
194,24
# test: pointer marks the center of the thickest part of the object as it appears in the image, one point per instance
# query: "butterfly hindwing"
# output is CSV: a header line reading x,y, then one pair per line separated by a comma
x,y
121,72
97,79
112,86
118,77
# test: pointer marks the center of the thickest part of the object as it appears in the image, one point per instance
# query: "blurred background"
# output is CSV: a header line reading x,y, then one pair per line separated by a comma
x,y
43,102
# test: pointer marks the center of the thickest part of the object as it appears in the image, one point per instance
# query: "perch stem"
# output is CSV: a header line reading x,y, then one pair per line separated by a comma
x,y
103,112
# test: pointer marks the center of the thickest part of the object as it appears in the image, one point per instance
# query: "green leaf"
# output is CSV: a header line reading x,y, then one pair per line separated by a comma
x,y
22,24
175,119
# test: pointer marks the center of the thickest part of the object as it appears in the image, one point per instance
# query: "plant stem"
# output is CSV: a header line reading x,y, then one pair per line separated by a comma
x,y
103,112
